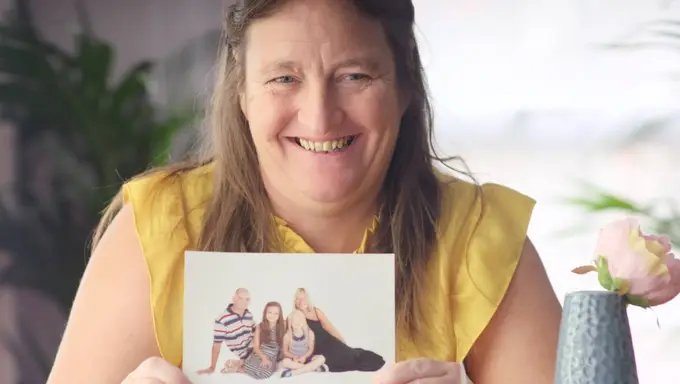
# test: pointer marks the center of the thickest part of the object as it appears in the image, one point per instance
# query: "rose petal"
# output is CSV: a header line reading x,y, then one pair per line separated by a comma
x,y
667,258
670,290
650,252
664,241
658,245
629,264
614,236
612,244
648,285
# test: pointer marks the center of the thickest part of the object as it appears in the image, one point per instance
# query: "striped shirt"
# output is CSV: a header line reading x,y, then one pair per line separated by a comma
x,y
235,331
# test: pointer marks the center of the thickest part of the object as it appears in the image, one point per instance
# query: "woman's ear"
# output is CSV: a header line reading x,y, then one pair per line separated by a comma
x,y
242,103
240,74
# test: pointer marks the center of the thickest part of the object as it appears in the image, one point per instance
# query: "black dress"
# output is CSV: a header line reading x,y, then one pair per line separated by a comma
x,y
339,356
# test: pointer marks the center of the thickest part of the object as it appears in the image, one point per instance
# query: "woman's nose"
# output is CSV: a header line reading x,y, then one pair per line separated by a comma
x,y
319,111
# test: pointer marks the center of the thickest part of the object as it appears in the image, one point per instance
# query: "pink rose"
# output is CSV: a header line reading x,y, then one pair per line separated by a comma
x,y
639,266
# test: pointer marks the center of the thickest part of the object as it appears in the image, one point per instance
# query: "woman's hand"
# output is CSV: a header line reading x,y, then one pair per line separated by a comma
x,y
155,370
422,371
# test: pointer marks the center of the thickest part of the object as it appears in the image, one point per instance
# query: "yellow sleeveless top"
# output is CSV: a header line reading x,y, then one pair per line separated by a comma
x,y
474,262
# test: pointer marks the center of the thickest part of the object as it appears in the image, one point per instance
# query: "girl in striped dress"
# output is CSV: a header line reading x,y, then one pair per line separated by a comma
x,y
262,363
298,348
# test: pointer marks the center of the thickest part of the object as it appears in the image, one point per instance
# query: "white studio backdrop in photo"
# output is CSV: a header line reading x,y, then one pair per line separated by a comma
x,y
356,292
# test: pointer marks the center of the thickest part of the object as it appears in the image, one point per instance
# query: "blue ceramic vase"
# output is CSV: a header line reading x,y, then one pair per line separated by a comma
x,y
595,343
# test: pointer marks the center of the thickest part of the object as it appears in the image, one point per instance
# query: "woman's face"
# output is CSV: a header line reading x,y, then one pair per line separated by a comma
x,y
301,301
273,314
321,100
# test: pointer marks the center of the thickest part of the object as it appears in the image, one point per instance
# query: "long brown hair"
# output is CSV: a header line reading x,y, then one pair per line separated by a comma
x,y
264,327
239,217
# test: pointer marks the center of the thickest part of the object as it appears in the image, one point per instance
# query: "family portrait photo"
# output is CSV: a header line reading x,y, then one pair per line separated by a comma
x,y
294,317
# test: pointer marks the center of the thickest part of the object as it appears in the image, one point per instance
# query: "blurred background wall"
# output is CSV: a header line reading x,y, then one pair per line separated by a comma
x,y
529,93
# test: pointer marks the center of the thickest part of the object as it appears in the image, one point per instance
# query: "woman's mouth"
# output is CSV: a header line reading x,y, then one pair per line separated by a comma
x,y
337,145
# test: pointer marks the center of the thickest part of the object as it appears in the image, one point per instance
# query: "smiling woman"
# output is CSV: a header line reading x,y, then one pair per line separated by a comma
x,y
321,142
320,88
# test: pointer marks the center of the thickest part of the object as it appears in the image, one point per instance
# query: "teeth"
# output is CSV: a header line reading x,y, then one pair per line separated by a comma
x,y
325,146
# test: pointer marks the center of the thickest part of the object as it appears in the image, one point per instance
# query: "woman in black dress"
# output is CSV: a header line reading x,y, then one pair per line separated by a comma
x,y
329,343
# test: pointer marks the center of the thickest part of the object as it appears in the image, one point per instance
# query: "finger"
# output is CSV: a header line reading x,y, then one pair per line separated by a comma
x,y
437,380
452,377
136,379
160,370
142,380
410,370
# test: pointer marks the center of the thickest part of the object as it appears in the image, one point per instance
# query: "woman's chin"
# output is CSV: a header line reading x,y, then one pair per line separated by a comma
x,y
330,194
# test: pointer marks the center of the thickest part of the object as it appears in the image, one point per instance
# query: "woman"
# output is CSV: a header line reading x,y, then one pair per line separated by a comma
x,y
329,342
267,341
320,142
298,348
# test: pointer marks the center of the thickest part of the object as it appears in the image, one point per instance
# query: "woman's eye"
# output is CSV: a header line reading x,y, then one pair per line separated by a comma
x,y
356,76
283,80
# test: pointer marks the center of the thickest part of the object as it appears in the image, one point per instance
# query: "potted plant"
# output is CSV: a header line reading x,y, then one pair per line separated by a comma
x,y
80,134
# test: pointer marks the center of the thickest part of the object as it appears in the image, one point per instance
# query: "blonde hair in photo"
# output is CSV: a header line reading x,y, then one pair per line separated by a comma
x,y
307,299
296,317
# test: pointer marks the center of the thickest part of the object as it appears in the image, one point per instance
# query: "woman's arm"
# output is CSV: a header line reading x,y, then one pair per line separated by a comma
x,y
110,329
286,346
256,344
328,326
519,345
310,345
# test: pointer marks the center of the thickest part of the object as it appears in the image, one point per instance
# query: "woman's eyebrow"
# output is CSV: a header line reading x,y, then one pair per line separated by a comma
x,y
369,62
280,65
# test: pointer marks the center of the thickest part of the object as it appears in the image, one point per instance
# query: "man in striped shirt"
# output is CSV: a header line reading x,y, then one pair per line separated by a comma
x,y
233,328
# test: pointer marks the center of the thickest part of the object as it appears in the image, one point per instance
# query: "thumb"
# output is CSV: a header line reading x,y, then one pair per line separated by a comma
x,y
144,380
382,373
157,371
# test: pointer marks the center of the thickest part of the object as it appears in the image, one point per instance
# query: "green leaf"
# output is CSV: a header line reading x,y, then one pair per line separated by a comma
x,y
619,285
603,275
95,59
131,91
605,202
20,35
20,60
637,301
648,130
164,133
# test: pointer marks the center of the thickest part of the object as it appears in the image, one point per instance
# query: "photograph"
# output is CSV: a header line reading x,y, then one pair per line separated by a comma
x,y
301,318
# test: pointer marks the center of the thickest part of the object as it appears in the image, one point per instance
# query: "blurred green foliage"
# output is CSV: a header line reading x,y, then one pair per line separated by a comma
x,y
663,215
80,133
